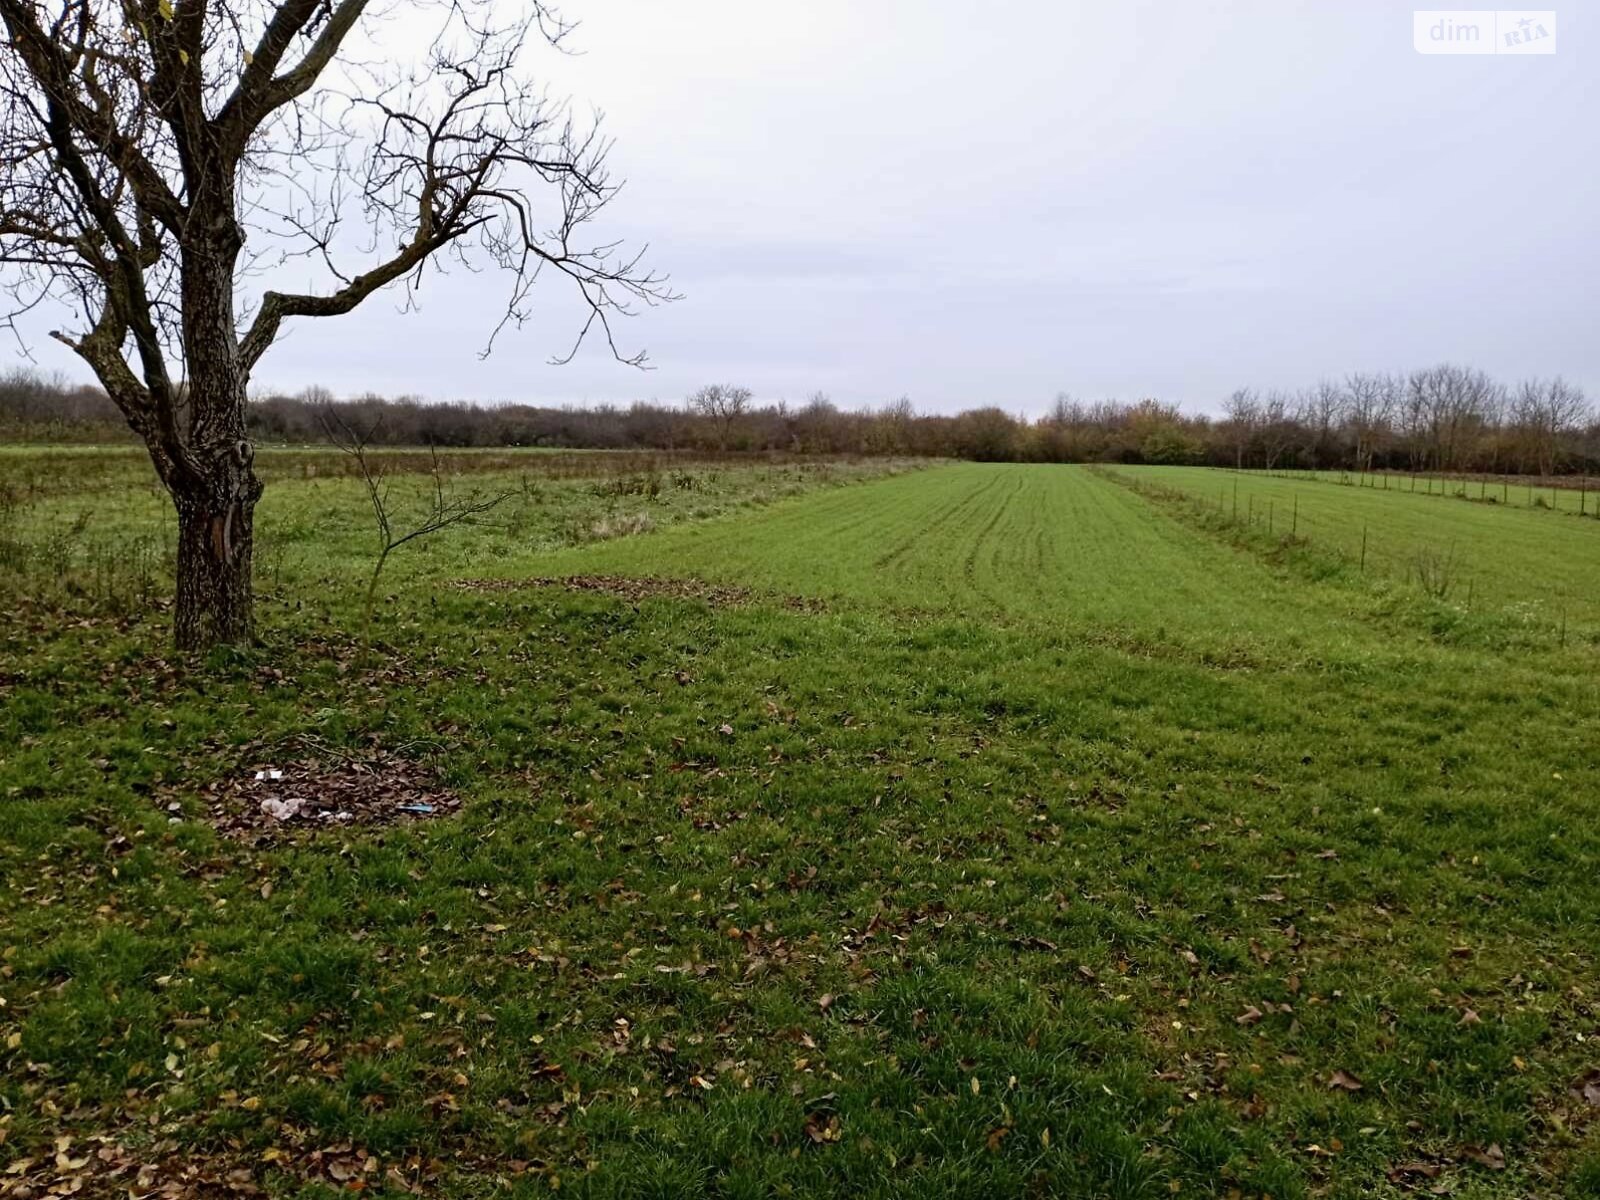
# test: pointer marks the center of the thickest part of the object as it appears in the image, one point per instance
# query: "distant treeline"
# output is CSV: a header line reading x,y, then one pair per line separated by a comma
x,y
1444,418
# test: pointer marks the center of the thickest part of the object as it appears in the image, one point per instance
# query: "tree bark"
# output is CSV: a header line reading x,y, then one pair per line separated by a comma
x,y
216,496
215,600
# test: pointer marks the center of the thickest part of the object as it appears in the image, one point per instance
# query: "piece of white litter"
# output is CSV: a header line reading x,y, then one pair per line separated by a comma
x,y
270,773
281,810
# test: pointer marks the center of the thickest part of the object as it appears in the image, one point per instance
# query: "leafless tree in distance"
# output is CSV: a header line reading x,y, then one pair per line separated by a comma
x,y
724,404
1242,412
1277,428
1371,404
158,153
1446,408
1548,412
1317,411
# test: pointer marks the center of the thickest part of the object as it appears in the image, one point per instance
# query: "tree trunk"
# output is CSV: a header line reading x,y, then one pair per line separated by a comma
x,y
217,492
215,603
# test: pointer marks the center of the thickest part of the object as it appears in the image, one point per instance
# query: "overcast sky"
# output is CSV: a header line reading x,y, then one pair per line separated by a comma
x,y
977,203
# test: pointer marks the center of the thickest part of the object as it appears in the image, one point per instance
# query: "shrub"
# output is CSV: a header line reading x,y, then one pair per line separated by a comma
x,y
1434,572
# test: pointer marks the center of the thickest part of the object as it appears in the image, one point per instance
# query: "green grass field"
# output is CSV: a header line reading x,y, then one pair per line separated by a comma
x,y
988,831
1506,557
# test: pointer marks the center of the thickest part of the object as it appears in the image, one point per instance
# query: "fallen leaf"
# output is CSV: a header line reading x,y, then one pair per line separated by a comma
x,y
1425,1170
1492,1158
821,1127
1344,1081
1588,1089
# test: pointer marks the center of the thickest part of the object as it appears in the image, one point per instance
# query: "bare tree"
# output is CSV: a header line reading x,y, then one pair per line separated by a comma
x,y
900,411
723,404
1242,413
146,141
1371,402
1317,410
1447,409
894,425
1065,411
1277,427
819,426
1547,412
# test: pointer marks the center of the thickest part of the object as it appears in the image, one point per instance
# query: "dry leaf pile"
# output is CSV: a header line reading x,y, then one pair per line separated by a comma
x,y
264,802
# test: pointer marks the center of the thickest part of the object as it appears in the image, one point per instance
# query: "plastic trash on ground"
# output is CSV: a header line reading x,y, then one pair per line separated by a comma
x,y
281,810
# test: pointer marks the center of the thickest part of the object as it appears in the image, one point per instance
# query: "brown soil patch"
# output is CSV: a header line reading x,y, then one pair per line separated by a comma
x,y
265,802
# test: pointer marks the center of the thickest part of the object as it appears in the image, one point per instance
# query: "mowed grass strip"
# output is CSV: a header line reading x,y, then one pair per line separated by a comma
x,y
924,894
1056,546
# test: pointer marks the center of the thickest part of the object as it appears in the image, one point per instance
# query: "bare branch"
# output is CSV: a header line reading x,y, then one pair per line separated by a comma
x,y
445,509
